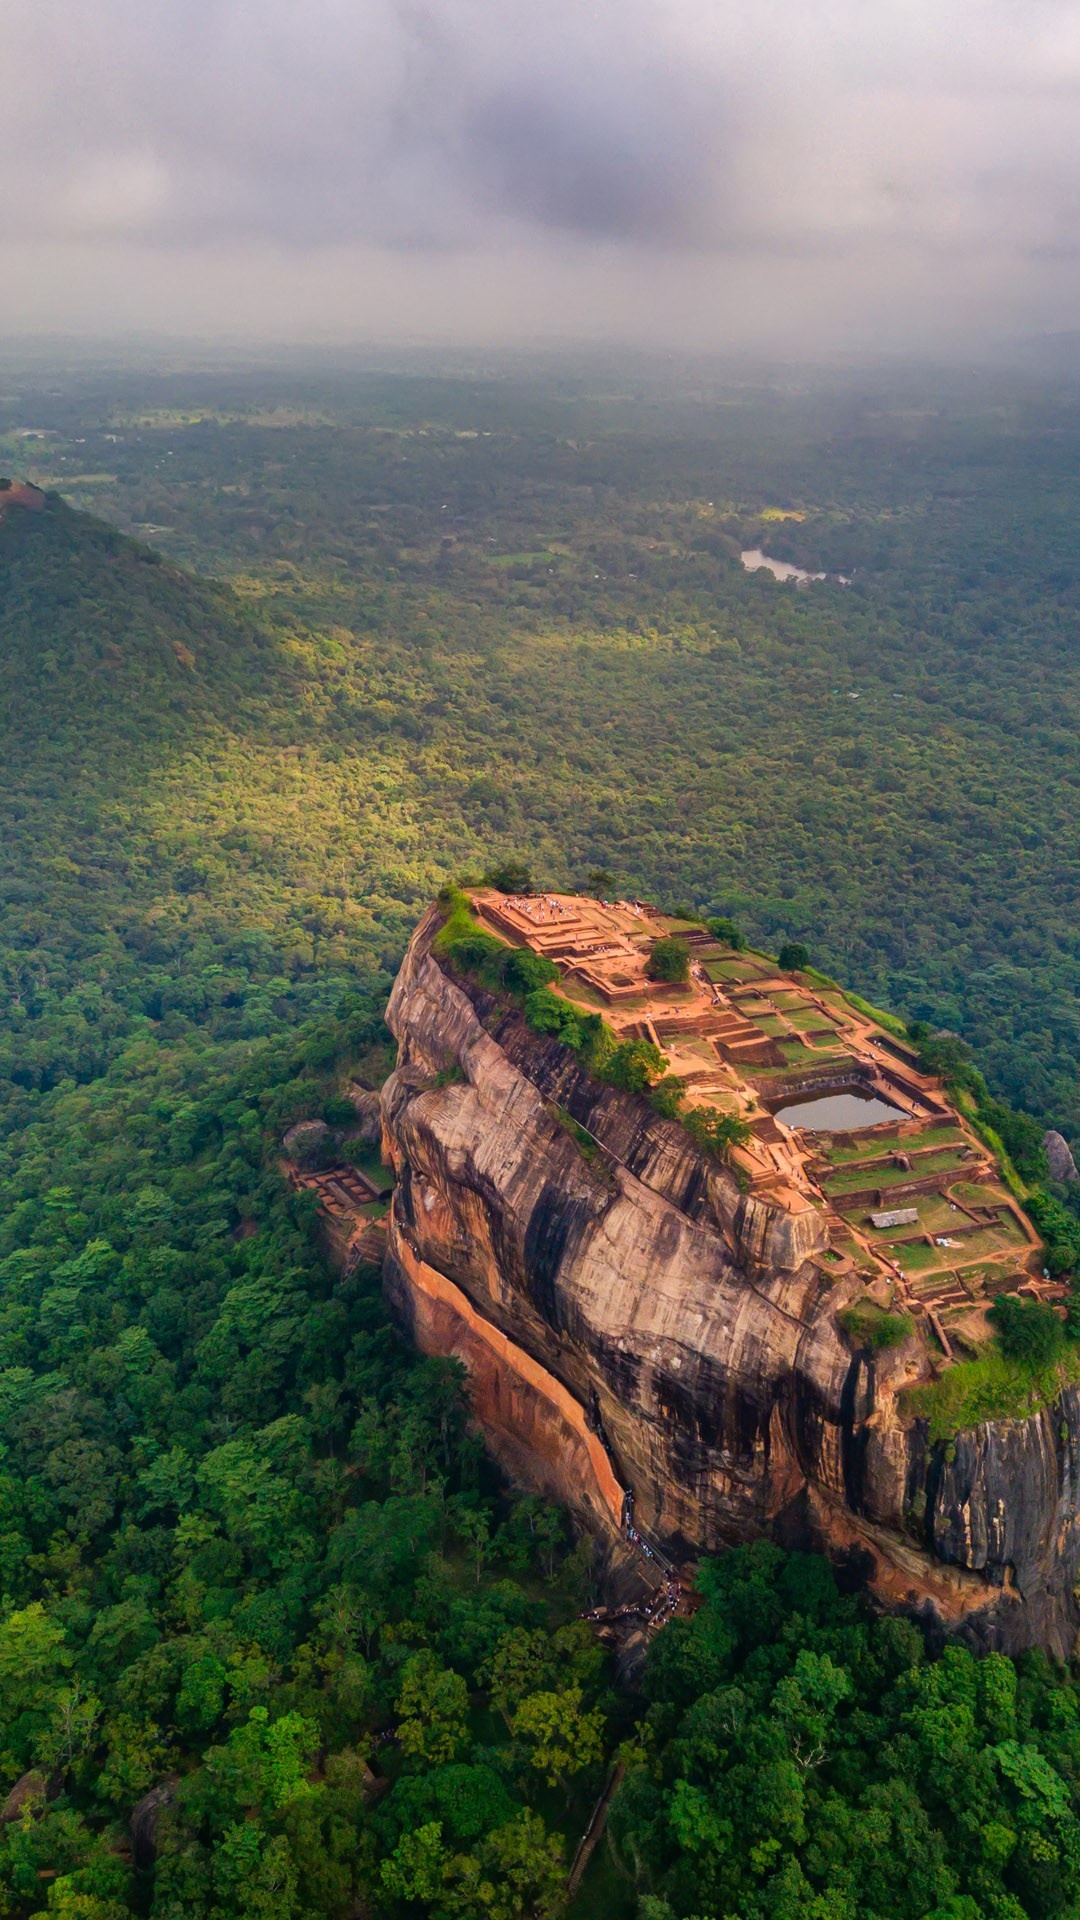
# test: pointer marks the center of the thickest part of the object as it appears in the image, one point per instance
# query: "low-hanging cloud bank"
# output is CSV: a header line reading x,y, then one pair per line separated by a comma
x,y
660,169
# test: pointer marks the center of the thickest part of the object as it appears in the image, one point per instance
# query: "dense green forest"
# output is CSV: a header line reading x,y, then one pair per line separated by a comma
x,y
799,1761
516,618
248,1545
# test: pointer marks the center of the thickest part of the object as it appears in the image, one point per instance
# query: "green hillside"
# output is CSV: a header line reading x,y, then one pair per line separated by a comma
x,y
157,863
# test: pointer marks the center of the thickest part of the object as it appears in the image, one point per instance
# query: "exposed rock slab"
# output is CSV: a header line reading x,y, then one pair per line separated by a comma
x,y
1059,1157
695,1325
30,1790
143,1823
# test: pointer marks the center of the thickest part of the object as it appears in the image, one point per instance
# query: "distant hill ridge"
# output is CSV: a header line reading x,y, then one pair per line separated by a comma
x,y
21,493
144,717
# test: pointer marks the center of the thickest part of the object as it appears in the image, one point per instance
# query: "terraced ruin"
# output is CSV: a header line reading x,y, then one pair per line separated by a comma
x,y
353,1202
841,1119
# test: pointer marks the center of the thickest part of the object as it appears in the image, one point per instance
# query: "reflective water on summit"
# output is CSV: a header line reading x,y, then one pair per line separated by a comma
x,y
839,1113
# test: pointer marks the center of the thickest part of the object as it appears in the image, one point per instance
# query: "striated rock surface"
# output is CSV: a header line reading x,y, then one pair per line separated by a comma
x,y
1059,1157
631,1320
368,1130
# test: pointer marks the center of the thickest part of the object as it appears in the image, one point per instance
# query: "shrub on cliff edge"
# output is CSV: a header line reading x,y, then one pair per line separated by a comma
x,y
868,1325
523,970
1027,1330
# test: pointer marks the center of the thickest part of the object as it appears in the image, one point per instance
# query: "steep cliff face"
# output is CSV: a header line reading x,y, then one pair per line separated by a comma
x,y
631,1320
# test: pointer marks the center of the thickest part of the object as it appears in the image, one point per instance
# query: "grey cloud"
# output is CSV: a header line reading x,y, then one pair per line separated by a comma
x,y
329,123
911,151
625,168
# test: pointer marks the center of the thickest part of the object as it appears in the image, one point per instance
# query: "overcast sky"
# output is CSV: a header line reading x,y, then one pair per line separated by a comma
x,y
820,173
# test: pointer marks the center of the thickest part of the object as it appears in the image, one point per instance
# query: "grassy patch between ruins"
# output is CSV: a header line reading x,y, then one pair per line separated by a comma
x,y
854,1179
868,1325
874,1144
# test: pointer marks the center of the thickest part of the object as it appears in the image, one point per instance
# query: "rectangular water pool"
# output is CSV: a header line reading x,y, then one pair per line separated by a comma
x,y
844,1112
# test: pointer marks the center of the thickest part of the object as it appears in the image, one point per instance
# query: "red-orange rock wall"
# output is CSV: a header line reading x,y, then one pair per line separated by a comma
x,y
533,1425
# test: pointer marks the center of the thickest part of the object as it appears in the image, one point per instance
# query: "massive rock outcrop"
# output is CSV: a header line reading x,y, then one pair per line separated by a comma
x,y
631,1320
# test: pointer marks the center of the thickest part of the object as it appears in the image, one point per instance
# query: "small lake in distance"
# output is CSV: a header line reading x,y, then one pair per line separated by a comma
x,y
753,558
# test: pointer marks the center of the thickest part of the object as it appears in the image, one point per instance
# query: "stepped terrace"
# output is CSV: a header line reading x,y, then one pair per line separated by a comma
x,y
840,1115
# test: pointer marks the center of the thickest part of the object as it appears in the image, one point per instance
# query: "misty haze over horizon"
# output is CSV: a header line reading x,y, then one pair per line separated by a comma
x,y
784,180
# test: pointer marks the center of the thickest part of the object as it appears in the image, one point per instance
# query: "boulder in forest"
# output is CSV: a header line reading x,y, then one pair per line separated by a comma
x,y
30,1787
142,1826
309,1143
1059,1157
